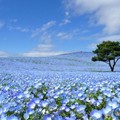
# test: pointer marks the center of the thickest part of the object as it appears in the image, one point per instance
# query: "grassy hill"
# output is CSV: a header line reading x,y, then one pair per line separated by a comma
x,y
76,61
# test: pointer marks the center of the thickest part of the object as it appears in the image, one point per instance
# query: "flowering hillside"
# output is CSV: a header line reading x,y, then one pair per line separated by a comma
x,y
64,87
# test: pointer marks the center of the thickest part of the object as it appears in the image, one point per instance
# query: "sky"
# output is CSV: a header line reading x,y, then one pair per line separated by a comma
x,y
33,28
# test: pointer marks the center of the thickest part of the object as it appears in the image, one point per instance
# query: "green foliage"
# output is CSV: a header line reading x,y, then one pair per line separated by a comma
x,y
78,115
108,118
35,116
9,113
108,52
59,101
65,114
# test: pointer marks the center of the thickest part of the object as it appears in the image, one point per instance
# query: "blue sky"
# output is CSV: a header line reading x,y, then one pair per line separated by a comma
x,y
44,27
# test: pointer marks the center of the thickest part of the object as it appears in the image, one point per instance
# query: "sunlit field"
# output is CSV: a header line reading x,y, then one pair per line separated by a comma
x,y
65,87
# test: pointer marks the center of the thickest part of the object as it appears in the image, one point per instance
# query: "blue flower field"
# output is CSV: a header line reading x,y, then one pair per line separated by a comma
x,y
64,87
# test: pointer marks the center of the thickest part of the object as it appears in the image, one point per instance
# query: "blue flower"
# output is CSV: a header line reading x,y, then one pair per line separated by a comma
x,y
44,104
31,105
107,110
58,118
96,114
12,117
47,117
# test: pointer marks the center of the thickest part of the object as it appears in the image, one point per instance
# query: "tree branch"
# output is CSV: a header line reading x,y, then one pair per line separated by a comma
x,y
117,60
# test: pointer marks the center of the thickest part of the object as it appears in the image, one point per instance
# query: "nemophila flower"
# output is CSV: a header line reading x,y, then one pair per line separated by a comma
x,y
39,109
113,104
58,118
107,110
26,116
28,84
65,101
72,107
36,100
6,88
114,118
55,96
80,108
85,117
67,109
62,107
26,91
31,105
37,86
115,99
47,117
40,95
80,94
29,111
52,105
2,98
12,117
92,101
70,118
99,102
72,114
118,99
96,114
58,92
63,95
5,108
108,93
100,97
3,117
20,95
34,91
17,108
1,111
44,104
87,99
26,95
82,97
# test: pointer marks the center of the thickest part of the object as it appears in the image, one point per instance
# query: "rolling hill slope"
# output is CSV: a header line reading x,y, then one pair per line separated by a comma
x,y
73,62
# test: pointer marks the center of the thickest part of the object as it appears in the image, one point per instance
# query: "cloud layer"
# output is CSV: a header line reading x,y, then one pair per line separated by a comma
x,y
42,50
103,12
3,54
44,28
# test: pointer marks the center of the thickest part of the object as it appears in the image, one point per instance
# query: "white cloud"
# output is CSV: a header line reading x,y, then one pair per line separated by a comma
x,y
44,47
25,30
111,37
1,24
41,54
42,50
44,27
46,37
19,28
104,12
44,34
64,35
64,22
48,25
99,40
3,54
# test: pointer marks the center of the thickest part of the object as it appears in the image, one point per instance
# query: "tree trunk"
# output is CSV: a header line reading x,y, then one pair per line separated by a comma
x,y
112,66
112,69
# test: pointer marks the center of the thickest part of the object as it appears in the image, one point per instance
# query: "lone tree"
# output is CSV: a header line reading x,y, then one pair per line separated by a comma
x,y
108,52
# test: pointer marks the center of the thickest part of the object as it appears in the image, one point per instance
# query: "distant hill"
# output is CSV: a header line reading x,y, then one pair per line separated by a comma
x,y
73,62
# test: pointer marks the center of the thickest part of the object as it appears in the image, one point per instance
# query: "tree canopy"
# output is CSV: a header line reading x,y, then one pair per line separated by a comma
x,y
108,52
